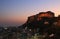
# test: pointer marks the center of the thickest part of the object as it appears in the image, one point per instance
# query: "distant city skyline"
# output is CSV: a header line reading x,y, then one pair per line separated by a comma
x,y
17,11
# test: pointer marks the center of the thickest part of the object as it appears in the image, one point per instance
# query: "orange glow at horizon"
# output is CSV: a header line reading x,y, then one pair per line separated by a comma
x,y
21,19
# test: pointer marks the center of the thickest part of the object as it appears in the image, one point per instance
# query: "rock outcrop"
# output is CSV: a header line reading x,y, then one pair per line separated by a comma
x,y
42,22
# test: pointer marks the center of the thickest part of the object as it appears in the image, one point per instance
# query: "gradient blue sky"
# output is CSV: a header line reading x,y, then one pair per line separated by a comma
x,y
17,11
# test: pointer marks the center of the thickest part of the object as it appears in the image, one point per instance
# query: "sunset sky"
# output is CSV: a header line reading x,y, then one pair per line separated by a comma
x,y
17,11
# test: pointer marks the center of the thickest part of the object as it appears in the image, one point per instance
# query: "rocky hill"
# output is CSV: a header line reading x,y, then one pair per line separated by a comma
x,y
42,21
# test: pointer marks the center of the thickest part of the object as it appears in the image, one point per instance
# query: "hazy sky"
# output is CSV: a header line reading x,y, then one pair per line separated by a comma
x,y
17,11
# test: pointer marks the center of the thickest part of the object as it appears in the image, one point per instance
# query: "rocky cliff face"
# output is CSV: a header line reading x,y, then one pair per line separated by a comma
x,y
44,23
38,17
42,20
